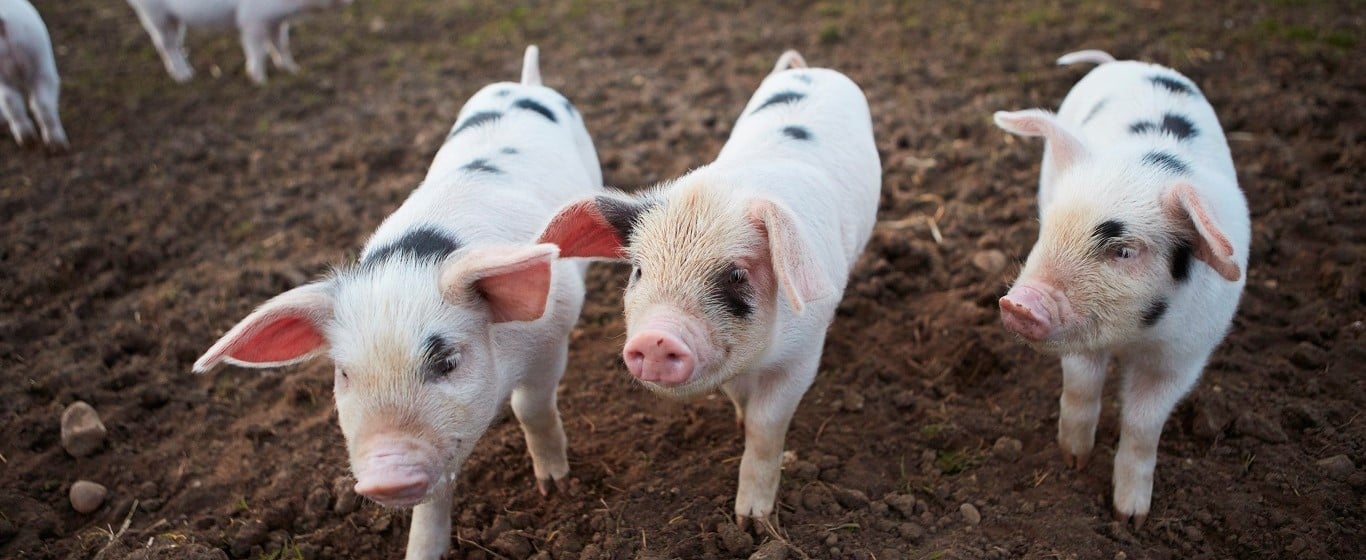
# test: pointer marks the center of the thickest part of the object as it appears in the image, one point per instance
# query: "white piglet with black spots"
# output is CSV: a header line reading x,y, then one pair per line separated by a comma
x,y
1141,258
28,76
740,264
450,310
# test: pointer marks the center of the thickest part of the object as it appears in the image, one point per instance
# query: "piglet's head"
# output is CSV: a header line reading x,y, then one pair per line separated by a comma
x,y
710,275
1119,237
416,381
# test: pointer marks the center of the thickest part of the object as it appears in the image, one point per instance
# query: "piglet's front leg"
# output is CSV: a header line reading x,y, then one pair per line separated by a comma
x,y
1150,393
430,534
767,414
1079,407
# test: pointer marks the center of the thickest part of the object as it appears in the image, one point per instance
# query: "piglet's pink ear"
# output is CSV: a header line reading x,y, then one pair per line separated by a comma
x,y
515,281
800,277
1064,148
582,229
1211,245
285,330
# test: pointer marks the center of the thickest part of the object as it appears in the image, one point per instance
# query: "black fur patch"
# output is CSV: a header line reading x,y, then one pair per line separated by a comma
x,y
1172,84
1142,127
532,105
1166,161
436,354
730,288
1154,312
503,92
1095,110
421,243
804,78
474,120
797,132
569,107
1109,229
621,214
509,150
1182,253
780,98
481,165
1178,126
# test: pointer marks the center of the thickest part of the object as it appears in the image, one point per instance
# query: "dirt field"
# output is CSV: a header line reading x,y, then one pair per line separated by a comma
x,y
182,207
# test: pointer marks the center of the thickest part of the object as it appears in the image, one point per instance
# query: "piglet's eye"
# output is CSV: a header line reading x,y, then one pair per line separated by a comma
x,y
635,273
738,276
450,363
1123,252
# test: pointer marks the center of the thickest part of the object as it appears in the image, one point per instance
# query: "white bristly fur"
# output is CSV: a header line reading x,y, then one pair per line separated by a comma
x,y
1102,176
28,76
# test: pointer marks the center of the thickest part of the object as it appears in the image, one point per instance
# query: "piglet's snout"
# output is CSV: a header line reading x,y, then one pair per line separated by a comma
x,y
659,357
1029,312
394,475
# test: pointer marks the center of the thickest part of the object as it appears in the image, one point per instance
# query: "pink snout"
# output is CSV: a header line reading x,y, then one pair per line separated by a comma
x,y
394,477
1029,312
658,357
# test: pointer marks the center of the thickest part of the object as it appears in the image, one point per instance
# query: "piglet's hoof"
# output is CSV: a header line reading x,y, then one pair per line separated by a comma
x,y
1125,518
546,488
1077,462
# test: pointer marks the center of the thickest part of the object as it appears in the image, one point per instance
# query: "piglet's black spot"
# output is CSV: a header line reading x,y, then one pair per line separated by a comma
x,y
803,78
509,150
474,120
424,243
621,214
532,105
730,289
1172,84
1142,127
438,358
1109,229
1167,162
797,132
1095,110
569,107
1154,312
1181,260
503,92
779,99
1178,126
481,165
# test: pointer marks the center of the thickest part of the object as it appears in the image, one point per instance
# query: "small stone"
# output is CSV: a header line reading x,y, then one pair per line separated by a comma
x,y
248,535
87,496
1250,424
316,505
1212,416
910,531
1007,449
970,514
344,488
771,550
904,399
1308,356
1337,467
853,401
734,539
82,431
989,261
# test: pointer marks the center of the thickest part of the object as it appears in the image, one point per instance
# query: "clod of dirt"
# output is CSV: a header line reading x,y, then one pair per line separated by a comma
x,y
88,496
82,431
1253,425
912,532
851,498
1337,467
1007,449
902,503
1308,356
970,513
990,261
853,401
771,550
1212,416
344,488
513,544
248,535
734,539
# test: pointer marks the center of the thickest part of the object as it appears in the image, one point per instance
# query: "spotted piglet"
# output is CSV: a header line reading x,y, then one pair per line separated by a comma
x,y
28,76
263,24
1141,254
450,309
737,267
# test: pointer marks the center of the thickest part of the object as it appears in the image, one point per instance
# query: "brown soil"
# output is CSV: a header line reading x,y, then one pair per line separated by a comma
x,y
182,207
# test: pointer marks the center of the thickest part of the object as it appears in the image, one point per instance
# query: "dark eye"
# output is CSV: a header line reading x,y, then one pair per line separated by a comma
x,y
1123,252
738,276
449,364
635,273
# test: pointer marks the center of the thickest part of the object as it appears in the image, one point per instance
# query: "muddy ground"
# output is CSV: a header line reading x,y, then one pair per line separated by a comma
x,y
182,207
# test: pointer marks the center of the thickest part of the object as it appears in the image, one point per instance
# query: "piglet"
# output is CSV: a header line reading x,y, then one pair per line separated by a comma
x,y
264,25
1141,255
28,76
449,310
737,267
